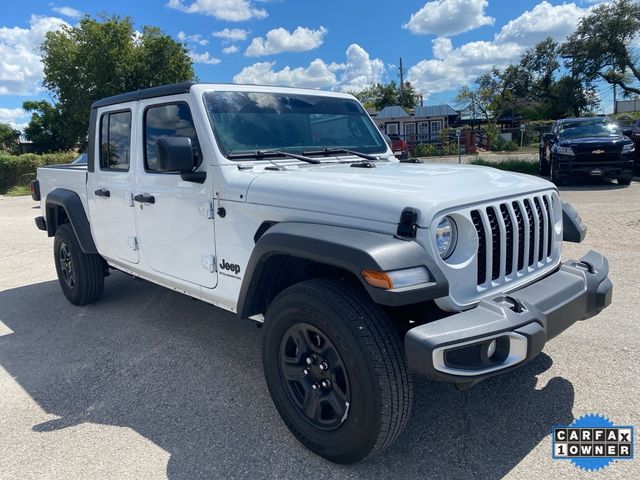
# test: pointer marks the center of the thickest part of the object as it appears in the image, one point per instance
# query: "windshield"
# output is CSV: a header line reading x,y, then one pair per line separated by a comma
x,y
255,121
591,130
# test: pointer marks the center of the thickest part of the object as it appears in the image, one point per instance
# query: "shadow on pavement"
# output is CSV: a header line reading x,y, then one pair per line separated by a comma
x,y
188,377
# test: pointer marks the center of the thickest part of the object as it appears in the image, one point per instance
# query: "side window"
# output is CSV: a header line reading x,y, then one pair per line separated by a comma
x,y
172,120
115,141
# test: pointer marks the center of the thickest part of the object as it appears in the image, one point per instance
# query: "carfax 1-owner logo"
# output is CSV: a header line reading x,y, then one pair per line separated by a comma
x,y
592,442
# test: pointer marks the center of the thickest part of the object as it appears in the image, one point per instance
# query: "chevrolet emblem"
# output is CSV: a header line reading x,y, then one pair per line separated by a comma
x,y
597,152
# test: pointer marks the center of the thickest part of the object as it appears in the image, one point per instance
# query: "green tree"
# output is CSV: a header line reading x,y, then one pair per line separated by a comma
x,y
487,100
381,95
9,138
601,46
48,128
100,58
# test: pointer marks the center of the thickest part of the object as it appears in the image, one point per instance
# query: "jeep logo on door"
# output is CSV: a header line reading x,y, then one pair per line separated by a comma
x,y
232,267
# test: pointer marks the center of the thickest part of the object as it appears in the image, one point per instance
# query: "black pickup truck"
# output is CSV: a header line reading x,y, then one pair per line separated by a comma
x,y
586,147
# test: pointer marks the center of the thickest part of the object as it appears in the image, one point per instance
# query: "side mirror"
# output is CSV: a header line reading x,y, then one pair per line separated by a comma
x,y
175,154
547,137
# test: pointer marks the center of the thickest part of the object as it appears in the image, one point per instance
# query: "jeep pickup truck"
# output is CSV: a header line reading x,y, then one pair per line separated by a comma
x,y
287,207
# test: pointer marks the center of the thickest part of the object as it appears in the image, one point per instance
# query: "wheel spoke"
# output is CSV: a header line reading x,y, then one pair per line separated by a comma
x,y
292,371
311,404
338,403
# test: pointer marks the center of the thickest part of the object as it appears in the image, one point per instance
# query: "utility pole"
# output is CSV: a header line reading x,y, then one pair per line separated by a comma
x,y
615,99
401,82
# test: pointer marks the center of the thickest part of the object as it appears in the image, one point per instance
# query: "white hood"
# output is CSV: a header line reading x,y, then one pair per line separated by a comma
x,y
381,193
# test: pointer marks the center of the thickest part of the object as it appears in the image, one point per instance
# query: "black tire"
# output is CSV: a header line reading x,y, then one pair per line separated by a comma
x,y
367,369
543,165
81,275
624,180
554,176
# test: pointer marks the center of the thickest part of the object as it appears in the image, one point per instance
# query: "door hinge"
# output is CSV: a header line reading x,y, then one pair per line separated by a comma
x,y
207,210
133,243
209,263
130,199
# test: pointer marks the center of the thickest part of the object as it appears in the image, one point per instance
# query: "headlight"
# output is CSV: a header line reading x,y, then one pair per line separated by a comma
x,y
446,237
628,147
564,151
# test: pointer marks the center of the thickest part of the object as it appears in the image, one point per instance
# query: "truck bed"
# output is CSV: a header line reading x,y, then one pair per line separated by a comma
x,y
69,176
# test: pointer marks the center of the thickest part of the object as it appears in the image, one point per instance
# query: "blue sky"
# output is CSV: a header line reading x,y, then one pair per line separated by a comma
x,y
327,44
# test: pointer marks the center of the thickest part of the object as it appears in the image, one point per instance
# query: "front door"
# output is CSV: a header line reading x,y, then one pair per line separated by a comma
x,y
175,228
109,187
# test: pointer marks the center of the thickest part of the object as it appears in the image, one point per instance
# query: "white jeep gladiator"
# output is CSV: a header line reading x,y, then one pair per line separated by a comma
x,y
288,207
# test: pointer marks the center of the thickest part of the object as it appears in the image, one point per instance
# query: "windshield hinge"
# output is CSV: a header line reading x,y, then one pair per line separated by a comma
x,y
408,223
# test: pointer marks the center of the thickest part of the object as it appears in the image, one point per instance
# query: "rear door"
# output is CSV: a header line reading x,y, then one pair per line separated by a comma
x,y
109,186
173,216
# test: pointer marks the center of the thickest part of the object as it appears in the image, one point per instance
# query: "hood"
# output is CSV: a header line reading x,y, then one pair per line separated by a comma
x,y
381,193
619,140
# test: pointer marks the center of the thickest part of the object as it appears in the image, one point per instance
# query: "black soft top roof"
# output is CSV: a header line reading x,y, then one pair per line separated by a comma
x,y
153,92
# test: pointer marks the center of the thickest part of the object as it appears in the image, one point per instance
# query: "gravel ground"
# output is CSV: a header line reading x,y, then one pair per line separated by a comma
x,y
148,383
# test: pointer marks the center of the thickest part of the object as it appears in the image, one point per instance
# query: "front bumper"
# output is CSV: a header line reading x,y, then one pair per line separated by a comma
x,y
567,165
459,348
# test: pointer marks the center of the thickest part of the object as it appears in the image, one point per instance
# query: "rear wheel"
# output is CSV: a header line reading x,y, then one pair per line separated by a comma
x,y
81,275
336,370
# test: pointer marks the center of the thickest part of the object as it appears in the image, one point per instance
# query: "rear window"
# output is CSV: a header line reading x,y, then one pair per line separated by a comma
x,y
115,140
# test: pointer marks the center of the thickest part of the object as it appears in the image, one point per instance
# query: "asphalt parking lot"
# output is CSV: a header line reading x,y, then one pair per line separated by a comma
x,y
148,383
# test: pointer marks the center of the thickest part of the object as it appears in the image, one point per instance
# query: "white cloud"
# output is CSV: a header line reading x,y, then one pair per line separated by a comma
x,y
230,49
358,71
280,40
20,65
67,11
544,20
316,75
195,38
450,68
16,117
232,34
204,58
449,17
231,10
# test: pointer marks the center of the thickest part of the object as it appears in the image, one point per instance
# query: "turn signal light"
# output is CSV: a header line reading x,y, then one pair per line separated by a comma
x,y
378,279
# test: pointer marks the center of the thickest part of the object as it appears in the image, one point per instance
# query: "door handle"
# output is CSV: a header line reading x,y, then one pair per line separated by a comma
x,y
144,198
102,192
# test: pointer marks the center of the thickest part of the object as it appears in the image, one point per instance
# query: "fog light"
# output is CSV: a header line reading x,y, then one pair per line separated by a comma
x,y
491,349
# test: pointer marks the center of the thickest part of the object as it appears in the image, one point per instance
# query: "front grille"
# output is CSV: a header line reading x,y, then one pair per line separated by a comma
x,y
608,153
514,238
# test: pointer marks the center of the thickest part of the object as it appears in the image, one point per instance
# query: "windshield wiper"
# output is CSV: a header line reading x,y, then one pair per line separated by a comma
x,y
333,151
258,155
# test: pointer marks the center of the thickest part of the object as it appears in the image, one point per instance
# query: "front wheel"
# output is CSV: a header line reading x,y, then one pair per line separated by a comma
x,y
624,181
554,176
336,370
81,275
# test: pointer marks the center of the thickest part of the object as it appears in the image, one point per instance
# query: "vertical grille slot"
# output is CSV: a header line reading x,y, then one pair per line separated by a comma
x,y
508,225
527,208
495,243
549,223
482,247
520,222
541,228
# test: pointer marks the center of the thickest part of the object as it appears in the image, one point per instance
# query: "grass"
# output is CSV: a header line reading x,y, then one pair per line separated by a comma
x,y
18,191
509,163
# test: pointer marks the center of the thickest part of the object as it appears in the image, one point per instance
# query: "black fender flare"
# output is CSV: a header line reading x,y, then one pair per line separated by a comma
x,y
70,202
348,249
573,229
